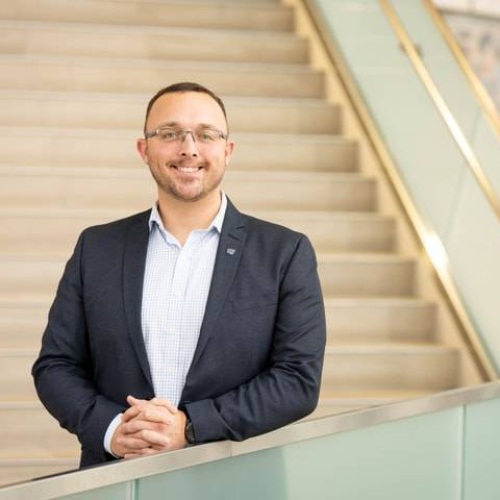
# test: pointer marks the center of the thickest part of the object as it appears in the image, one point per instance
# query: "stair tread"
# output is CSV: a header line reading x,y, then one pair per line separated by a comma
x,y
396,301
157,30
138,172
45,95
258,4
326,397
108,62
394,347
265,214
38,459
131,134
370,395
385,347
370,257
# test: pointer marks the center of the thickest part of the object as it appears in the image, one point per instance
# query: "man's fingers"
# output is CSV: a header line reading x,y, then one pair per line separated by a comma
x,y
134,401
132,442
155,438
137,424
166,404
159,415
141,453
131,413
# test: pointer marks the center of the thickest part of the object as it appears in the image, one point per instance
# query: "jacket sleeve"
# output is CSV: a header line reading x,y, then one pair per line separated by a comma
x,y
63,370
289,388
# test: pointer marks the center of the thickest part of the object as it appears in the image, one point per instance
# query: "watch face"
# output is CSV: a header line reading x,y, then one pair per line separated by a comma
x,y
189,433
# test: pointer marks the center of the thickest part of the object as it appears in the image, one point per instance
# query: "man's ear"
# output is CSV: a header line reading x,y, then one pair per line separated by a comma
x,y
142,147
229,151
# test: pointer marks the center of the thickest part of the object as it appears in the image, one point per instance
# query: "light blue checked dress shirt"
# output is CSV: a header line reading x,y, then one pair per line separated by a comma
x,y
175,292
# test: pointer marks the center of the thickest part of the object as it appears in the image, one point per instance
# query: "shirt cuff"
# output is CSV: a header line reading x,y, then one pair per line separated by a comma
x,y
109,433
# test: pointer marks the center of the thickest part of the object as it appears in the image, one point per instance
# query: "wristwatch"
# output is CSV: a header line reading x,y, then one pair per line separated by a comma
x,y
189,432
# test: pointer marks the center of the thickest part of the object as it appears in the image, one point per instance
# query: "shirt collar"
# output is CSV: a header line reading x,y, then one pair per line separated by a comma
x,y
155,217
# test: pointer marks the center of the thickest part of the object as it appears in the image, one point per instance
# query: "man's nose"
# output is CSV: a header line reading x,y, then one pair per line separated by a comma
x,y
189,147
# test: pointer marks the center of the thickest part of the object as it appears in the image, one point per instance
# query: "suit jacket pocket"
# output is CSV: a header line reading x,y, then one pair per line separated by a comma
x,y
244,303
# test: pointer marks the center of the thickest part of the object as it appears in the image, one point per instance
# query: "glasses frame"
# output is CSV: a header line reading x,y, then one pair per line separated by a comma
x,y
184,132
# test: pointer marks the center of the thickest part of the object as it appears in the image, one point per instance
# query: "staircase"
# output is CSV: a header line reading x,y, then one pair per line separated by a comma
x,y
75,78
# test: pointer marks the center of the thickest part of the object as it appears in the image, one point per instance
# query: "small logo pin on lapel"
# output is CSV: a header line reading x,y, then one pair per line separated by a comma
x,y
231,251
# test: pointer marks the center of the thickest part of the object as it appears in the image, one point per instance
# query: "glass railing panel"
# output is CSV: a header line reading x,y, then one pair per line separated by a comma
x,y
428,156
122,491
486,143
445,70
482,451
259,475
382,462
473,247
429,159
453,85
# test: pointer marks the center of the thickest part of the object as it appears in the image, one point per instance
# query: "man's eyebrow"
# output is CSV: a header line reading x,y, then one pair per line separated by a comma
x,y
178,125
168,124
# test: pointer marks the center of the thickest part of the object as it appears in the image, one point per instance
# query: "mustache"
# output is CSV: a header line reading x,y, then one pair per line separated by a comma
x,y
186,163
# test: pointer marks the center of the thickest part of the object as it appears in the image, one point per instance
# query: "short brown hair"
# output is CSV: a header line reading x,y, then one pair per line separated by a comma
x,y
184,87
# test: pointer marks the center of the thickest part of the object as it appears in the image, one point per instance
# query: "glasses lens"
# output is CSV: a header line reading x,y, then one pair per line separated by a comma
x,y
203,135
168,134
207,135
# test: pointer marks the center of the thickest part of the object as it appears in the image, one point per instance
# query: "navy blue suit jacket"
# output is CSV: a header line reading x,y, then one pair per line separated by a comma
x,y
258,362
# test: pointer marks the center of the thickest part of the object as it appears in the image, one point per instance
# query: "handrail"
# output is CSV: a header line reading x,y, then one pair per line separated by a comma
x,y
430,241
444,110
128,470
479,89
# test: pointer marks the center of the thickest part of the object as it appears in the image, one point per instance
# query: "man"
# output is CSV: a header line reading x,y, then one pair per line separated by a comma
x,y
190,322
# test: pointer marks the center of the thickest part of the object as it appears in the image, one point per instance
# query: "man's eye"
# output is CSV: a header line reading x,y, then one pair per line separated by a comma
x,y
168,135
207,136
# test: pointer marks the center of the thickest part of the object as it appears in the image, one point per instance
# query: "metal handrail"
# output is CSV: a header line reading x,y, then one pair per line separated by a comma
x,y
124,471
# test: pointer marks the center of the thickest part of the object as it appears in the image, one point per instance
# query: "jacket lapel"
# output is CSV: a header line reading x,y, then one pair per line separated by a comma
x,y
134,264
229,251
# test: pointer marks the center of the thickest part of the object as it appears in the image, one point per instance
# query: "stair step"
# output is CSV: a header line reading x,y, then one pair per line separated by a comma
x,y
368,320
14,470
376,319
390,366
16,382
172,13
101,40
366,275
57,231
33,278
91,148
134,189
119,111
347,368
32,431
63,73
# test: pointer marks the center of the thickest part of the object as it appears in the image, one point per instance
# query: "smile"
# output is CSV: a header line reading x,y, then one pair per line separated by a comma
x,y
187,170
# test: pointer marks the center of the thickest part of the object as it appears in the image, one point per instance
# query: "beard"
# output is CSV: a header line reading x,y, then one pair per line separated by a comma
x,y
186,190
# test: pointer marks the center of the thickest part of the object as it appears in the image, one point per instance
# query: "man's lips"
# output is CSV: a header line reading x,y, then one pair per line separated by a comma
x,y
185,169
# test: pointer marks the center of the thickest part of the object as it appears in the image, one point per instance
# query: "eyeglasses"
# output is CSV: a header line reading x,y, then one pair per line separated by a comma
x,y
204,135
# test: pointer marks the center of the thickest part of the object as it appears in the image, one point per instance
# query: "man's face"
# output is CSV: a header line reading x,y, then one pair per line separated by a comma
x,y
186,170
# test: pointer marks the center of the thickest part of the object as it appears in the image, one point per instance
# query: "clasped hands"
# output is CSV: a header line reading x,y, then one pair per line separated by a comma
x,y
149,427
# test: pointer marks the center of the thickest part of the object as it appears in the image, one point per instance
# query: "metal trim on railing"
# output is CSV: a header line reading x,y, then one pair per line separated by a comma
x,y
479,89
129,470
430,241
444,110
